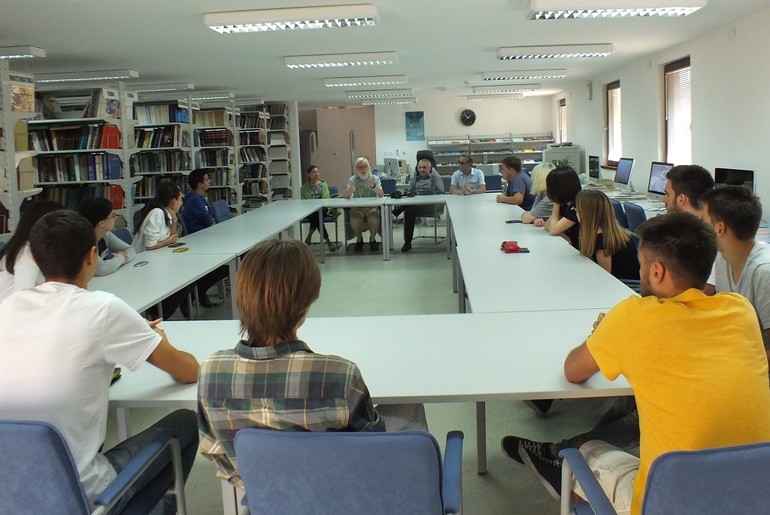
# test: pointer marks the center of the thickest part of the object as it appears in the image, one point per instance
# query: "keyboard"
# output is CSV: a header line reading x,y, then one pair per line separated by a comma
x,y
630,195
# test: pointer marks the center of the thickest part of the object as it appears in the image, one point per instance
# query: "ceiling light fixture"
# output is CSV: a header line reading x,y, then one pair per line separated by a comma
x,y
48,78
381,93
21,52
566,9
554,51
159,88
514,96
506,88
352,82
388,101
554,73
218,95
338,60
296,18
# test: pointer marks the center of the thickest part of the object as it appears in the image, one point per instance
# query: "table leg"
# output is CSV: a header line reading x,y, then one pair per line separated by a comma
x,y
449,238
122,415
384,213
481,437
460,289
229,499
321,234
232,266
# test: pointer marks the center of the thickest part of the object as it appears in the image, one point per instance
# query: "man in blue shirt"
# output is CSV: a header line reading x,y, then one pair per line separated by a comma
x,y
196,212
519,189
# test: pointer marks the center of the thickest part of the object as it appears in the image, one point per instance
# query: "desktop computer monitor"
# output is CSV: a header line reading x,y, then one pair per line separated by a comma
x,y
391,168
656,188
733,177
593,167
623,173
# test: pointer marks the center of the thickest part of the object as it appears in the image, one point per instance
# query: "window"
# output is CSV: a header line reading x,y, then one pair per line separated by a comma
x,y
563,120
678,112
612,130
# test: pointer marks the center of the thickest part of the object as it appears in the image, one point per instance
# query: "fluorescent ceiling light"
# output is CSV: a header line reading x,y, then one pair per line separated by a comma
x,y
507,88
379,80
553,73
554,51
381,93
512,96
46,78
339,60
216,95
297,18
388,101
566,9
159,88
21,52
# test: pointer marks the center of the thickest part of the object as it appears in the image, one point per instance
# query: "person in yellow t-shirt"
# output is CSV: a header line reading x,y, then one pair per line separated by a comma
x,y
696,363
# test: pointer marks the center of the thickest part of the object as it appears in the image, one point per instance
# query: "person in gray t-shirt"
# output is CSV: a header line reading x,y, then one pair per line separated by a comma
x,y
542,206
361,185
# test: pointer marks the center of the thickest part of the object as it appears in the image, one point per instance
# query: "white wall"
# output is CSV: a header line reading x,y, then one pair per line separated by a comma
x,y
730,104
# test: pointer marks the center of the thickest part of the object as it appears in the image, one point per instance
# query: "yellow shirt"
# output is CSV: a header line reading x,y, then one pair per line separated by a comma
x,y
698,369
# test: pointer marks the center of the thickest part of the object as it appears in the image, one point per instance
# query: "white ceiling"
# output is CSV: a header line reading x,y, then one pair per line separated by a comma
x,y
444,45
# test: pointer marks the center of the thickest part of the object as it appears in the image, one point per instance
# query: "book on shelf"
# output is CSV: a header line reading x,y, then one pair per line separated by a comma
x,y
252,137
214,157
89,136
159,137
159,161
211,118
278,109
252,154
149,114
72,196
258,120
22,92
214,137
77,167
101,103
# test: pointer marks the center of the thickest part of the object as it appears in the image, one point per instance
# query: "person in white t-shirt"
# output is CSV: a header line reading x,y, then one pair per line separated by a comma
x,y
60,346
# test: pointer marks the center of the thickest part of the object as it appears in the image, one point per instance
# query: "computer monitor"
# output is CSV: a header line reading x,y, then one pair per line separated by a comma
x,y
391,167
656,188
733,177
593,167
623,173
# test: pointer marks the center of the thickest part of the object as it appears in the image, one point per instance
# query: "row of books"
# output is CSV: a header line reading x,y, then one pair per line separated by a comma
x,y
148,186
279,124
253,171
161,161
72,196
160,113
253,137
213,138
253,189
78,167
81,137
253,121
220,177
252,154
211,118
101,103
214,157
158,137
279,109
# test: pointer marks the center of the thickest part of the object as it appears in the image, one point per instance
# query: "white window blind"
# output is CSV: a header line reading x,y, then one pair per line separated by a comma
x,y
678,112
614,140
563,120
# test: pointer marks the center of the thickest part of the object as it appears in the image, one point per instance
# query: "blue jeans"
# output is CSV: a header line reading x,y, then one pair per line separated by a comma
x,y
619,426
152,485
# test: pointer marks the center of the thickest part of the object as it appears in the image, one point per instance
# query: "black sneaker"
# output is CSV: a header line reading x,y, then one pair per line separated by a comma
x,y
510,447
407,247
546,470
374,246
359,246
540,406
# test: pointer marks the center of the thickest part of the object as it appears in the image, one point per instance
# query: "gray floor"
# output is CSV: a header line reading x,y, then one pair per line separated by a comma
x,y
420,282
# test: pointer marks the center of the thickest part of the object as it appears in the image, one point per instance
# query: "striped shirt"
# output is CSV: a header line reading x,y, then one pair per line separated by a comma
x,y
284,387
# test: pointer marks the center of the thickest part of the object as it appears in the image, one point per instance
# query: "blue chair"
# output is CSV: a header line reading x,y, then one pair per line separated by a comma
x,y
220,210
709,481
39,474
388,186
334,191
328,219
620,215
447,182
635,215
124,234
2,245
342,472
494,182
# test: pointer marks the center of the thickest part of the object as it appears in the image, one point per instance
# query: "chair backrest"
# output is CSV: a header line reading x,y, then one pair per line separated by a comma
x,y
447,182
334,191
634,214
388,186
339,472
424,154
220,210
620,215
494,182
2,245
710,481
38,473
124,234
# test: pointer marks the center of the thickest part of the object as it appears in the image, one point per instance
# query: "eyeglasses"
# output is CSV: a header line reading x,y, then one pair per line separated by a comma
x,y
463,162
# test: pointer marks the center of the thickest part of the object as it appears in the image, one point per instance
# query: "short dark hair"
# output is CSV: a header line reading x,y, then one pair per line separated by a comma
x,y
737,207
512,162
690,180
60,242
562,184
196,177
96,209
684,243
467,157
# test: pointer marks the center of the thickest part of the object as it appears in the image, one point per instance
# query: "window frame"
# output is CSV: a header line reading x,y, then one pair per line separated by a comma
x,y
562,120
671,68
609,90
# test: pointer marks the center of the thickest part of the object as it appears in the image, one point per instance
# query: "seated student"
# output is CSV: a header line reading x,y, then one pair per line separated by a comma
x,y
196,213
361,185
426,181
602,238
542,205
112,251
315,188
518,191
273,380
467,180
18,270
563,185
60,346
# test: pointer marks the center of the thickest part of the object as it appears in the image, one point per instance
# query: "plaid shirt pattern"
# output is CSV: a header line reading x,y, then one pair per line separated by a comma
x,y
284,387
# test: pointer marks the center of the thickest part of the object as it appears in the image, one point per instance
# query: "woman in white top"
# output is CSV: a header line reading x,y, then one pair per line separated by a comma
x,y
18,270
112,251
159,223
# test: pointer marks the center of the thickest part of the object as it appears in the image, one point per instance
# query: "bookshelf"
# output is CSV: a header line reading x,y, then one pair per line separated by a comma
x,y
487,151
214,149
253,124
279,151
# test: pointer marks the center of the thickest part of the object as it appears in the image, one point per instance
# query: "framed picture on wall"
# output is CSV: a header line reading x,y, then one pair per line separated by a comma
x,y
415,125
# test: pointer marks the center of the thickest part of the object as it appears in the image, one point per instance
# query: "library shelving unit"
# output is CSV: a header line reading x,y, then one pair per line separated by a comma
x,y
253,124
487,151
214,149
279,151
15,156
163,146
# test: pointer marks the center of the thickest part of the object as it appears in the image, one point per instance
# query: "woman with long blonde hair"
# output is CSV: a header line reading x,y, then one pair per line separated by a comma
x,y
603,239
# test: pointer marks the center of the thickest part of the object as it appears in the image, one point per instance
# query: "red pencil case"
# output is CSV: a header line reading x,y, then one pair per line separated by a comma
x,y
510,247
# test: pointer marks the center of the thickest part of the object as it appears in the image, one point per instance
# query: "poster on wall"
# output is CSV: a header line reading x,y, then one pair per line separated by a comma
x,y
415,126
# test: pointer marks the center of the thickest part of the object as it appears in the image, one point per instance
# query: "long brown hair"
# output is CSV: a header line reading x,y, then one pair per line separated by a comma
x,y
595,212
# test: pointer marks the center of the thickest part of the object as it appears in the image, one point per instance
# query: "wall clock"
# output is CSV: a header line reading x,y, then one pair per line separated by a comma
x,y
467,117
